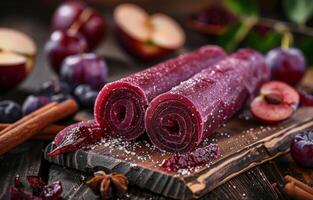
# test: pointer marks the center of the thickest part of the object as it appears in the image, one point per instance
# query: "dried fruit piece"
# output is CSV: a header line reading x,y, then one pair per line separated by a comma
x,y
17,181
36,183
77,136
199,156
52,191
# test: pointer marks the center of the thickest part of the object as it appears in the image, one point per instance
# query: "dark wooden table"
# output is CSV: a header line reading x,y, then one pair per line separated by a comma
x,y
262,182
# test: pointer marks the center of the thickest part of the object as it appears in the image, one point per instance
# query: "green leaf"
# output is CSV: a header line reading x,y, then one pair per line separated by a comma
x,y
243,7
263,43
306,47
236,33
298,11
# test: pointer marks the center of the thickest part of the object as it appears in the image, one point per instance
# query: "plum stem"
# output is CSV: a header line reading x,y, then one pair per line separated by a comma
x,y
83,17
287,40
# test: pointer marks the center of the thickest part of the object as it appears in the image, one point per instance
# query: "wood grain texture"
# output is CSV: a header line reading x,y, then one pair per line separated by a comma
x,y
244,145
24,160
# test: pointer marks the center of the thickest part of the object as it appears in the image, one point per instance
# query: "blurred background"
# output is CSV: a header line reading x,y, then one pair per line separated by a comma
x,y
232,24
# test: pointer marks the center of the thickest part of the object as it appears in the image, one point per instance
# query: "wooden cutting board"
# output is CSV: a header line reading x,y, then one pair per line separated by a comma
x,y
244,144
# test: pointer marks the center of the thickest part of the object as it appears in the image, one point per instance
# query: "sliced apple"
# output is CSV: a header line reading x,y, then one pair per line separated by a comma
x,y
17,54
13,40
277,102
146,36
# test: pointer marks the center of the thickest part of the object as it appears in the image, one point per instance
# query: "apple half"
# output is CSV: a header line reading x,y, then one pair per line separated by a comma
x,y
146,36
17,56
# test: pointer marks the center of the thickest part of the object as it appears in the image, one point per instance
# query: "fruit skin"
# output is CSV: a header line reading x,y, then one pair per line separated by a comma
x,y
12,75
284,102
85,96
144,51
50,88
60,97
93,29
62,44
287,65
10,111
87,68
301,148
306,99
32,103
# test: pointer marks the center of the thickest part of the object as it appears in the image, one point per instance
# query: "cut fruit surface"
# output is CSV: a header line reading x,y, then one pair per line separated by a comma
x,y
166,32
15,41
133,20
277,102
10,58
17,55
158,29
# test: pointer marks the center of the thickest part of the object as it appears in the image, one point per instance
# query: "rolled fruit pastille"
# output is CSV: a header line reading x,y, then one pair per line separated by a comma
x,y
183,117
121,105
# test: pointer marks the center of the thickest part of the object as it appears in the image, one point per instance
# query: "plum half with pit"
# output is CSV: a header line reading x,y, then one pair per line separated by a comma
x,y
10,111
301,148
277,102
287,65
62,44
87,21
87,68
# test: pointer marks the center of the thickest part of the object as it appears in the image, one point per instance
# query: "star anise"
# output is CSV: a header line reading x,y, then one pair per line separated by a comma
x,y
108,185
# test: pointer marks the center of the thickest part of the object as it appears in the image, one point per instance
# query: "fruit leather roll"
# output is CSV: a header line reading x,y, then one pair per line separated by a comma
x,y
183,117
121,105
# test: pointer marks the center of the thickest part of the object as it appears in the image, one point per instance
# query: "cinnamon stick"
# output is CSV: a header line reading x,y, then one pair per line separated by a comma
x,y
30,125
27,117
296,192
298,189
299,183
47,133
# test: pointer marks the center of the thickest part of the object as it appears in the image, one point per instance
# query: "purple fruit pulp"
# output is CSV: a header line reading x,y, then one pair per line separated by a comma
x,y
183,117
120,106
201,155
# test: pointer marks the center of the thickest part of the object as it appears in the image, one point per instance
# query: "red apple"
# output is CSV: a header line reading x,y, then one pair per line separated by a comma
x,y
277,102
17,56
146,36
77,15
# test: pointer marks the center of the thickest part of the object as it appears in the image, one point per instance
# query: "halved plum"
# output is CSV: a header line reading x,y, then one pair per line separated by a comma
x,y
277,102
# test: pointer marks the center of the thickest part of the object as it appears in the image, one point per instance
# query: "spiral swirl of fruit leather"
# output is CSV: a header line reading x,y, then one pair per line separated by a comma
x,y
183,117
120,106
